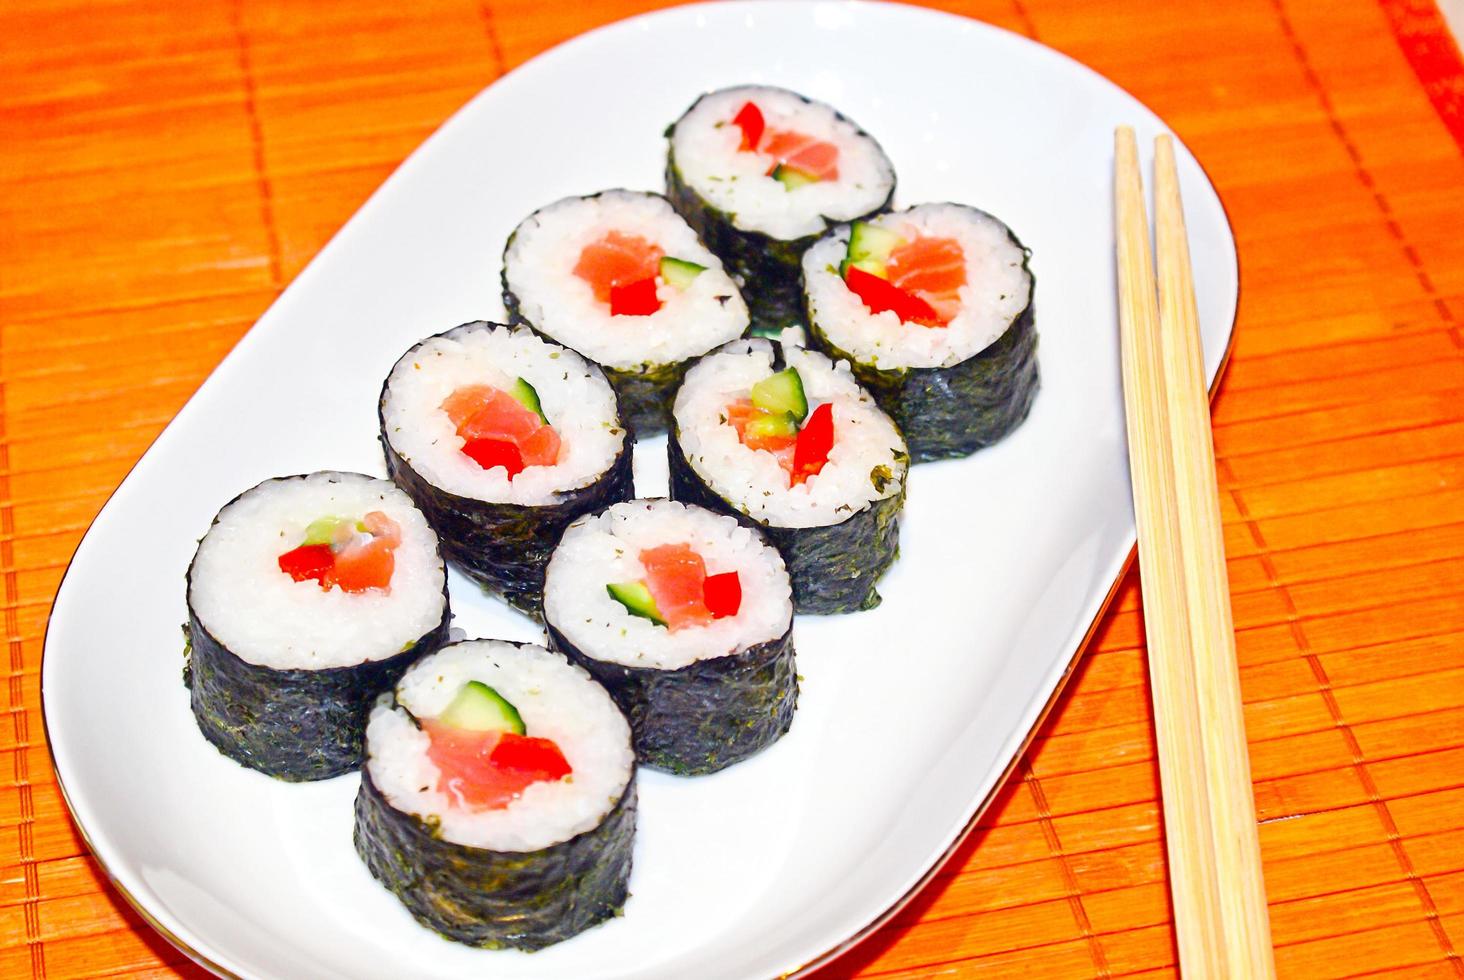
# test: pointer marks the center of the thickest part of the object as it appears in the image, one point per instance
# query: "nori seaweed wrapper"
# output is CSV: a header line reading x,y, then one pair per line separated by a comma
x,y
768,268
496,899
954,411
834,567
503,547
295,725
707,715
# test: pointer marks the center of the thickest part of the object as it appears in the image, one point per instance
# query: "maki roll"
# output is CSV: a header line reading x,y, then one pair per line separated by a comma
x,y
498,799
760,173
785,440
308,597
686,617
502,439
621,278
933,308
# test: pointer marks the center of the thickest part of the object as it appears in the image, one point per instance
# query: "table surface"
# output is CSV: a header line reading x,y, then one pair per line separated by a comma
x,y
168,168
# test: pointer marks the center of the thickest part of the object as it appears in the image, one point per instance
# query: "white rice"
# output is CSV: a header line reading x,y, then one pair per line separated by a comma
x,y
265,617
574,395
998,288
603,548
539,267
556,701
752,480
705,145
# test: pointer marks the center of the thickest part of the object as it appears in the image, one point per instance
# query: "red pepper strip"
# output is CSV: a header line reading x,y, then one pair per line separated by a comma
x,y
879,295
634,299
749,119
722,594
539,756
489,453
308,561
815,440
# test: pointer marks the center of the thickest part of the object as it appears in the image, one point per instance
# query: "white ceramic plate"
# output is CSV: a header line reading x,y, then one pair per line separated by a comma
x,y
910,714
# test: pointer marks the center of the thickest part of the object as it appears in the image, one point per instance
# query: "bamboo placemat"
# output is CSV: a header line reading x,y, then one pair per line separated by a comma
x,y
167,168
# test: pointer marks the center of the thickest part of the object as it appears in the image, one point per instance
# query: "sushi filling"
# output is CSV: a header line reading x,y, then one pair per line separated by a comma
x,y
503,428
947,267
677,592
339,552
483,753
797,159
775,418
917,277
627,272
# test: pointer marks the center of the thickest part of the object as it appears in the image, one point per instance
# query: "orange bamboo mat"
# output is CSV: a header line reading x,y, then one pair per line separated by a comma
x,y
168,167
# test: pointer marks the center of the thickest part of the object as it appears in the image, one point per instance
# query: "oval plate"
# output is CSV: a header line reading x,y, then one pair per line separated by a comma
x,y
910,714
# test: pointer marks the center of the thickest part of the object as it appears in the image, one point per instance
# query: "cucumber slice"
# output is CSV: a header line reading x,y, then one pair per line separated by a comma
x,y
874,267
637,600
479,708
778,425
869,248
782,392
868,240
679,272
322,530
524,393
791,177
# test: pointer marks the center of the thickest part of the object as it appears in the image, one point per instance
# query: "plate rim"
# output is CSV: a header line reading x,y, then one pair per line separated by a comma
x,y
889,912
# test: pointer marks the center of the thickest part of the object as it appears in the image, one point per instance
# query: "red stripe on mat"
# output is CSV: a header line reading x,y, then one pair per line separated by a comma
x,y
1430,48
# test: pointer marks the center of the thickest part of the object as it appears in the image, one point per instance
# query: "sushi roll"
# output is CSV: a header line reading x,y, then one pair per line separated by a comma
x,y
308,597
502,439
783,439
620,277
498,798
686,617
932,306
762,172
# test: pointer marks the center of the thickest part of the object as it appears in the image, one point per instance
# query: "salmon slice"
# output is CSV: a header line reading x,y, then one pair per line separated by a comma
x,y
485,412
383,527
365,566
675,575
541,448
804,153
933,269
468,776
615,260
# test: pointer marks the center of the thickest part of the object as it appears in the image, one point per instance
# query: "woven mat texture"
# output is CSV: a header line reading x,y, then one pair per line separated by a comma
x,y
166,168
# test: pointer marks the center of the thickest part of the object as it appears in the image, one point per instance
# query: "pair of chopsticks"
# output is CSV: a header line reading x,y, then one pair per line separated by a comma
x,y
1219,895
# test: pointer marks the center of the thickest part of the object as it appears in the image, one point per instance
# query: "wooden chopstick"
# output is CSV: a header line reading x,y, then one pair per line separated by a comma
x,y
1210,830
1247,926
